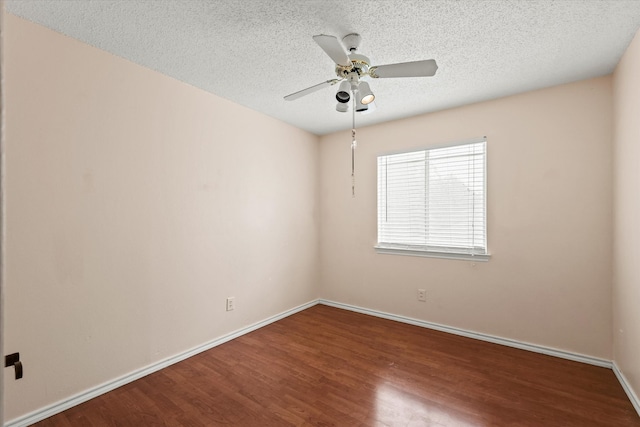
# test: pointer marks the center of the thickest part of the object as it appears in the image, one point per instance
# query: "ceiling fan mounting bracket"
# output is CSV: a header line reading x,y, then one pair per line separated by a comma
x,y
352,42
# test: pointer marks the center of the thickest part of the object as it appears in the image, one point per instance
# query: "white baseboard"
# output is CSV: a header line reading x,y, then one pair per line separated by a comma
x,y
476,335
627,388
63,405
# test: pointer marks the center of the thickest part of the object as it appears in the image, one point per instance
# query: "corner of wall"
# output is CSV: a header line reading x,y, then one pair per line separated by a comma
x,y
626,210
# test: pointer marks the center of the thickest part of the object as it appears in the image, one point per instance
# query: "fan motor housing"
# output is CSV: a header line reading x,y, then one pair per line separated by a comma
x,y
359,63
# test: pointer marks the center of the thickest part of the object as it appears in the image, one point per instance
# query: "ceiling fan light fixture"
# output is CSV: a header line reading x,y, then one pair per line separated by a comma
x,y
368,99
343,95
365,96
342,107
360,107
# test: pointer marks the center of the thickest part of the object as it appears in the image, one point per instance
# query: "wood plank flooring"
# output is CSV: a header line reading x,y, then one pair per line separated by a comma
x,y
329,367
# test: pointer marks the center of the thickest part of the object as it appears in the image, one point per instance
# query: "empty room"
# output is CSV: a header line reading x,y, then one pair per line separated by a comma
x,y
320,213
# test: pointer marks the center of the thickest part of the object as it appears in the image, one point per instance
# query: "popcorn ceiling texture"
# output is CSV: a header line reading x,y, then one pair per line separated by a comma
x,y
255,52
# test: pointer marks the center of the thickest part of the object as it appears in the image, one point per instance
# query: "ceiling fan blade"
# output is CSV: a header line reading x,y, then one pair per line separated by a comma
x,y
333,48
311,89
425,68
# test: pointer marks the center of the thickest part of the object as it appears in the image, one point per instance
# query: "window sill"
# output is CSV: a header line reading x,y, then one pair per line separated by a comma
x,y
431,254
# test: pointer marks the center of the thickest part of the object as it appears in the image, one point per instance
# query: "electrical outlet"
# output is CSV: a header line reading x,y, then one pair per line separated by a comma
x,y
231,303
422,295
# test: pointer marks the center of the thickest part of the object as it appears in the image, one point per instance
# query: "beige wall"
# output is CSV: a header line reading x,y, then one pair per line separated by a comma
x,y
549,220
135,205
626,283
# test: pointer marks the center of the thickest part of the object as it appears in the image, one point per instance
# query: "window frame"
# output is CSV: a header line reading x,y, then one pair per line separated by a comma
x,y
408,250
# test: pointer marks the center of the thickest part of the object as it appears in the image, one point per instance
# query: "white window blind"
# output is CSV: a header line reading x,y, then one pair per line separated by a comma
x,y
434,200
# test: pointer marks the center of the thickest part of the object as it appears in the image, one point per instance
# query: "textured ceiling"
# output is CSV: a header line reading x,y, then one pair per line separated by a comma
x,y
254,52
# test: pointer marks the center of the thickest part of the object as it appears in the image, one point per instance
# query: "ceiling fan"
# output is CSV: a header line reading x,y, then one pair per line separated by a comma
x,y
352,67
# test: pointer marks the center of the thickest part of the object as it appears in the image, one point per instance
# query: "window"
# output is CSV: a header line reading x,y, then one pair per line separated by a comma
x,y
432,202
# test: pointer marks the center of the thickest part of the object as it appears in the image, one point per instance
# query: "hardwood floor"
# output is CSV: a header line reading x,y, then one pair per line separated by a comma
x,y
329,367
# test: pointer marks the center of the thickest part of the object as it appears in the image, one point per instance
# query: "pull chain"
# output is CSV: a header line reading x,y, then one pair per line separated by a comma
x,y
353,147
